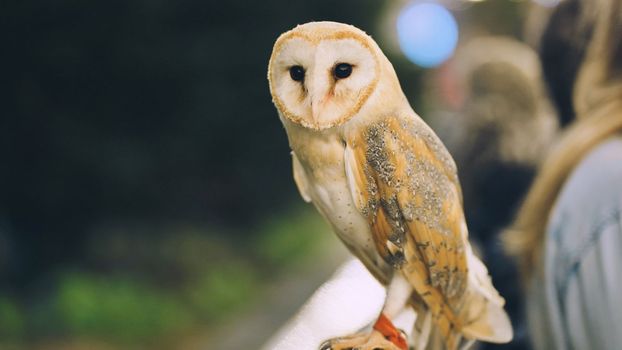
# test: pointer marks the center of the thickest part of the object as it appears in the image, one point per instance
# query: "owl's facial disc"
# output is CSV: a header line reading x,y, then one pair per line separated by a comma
x,y
322,83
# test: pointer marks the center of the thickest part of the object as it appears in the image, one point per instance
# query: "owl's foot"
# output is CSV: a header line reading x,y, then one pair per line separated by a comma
x,y
372,341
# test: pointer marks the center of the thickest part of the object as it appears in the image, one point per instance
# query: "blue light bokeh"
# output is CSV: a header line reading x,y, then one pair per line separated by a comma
x,y
427,33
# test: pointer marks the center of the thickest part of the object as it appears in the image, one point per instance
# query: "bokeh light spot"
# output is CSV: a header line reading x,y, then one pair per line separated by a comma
x,y
427,33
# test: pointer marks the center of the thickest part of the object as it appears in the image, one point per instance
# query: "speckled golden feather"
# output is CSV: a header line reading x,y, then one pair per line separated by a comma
x,y
405,183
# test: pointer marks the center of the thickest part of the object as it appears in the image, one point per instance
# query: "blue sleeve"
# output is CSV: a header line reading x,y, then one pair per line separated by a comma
x,y
584,250
593,293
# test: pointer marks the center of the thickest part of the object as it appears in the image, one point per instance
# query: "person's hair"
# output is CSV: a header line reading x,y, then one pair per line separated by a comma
x,y
597,104
562,50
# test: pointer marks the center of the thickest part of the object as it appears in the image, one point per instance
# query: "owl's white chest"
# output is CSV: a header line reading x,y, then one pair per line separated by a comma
x,y
322,159
331,195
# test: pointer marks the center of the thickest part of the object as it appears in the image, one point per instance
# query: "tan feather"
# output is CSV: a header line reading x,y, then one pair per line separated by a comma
x,y
300,178
404,182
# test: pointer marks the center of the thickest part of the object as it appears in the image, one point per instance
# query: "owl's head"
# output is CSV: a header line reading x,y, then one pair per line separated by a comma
x,y
322,73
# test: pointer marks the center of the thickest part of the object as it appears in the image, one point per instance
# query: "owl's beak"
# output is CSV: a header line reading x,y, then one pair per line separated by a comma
x,y
317,107
318,111
315,113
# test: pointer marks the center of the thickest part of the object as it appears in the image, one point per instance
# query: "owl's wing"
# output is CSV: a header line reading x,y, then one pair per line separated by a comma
x,y
404,181
300,178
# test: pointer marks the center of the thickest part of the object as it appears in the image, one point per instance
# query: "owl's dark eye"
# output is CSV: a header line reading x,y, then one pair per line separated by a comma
x,y
297,73
342,70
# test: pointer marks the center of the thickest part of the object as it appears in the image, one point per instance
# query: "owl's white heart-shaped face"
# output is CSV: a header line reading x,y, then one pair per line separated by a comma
x,y
322,73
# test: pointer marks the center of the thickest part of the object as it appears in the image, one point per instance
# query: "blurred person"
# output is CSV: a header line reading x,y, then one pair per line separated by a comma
x,y
497,121
567,235
496,118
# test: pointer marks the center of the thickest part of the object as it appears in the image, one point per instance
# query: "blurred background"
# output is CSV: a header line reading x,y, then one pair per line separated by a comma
x,y
146,195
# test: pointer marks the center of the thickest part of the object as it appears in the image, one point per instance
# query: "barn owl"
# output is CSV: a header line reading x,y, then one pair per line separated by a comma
x,y
385,183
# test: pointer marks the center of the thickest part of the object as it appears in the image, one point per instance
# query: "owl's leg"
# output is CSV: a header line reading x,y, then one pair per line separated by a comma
x,y
384,336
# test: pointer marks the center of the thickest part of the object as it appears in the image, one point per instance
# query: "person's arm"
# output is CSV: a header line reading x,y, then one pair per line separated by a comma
x,y
592,299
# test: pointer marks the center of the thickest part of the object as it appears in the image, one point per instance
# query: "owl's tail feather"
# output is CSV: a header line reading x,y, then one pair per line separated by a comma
x,y
475,315
483,316
429,335
438,341
487,322
426,334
